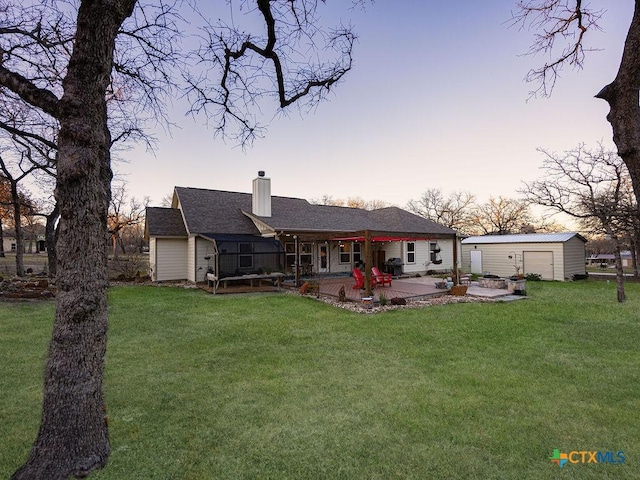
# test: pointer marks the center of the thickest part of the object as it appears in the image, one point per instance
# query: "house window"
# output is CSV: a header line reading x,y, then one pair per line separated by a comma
x,y
357,253
411,252
345,253
245,258
13,247
290,252
433,249
306,254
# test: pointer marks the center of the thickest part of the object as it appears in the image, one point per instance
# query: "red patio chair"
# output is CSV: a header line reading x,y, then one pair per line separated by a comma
x,y
381,278
359,278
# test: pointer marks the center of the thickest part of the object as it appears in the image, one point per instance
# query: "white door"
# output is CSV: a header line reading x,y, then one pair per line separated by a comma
x,y
323,258
476,261
540,263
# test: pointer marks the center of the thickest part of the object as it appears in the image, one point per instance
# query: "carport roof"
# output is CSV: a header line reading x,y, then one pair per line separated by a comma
x,y
560,237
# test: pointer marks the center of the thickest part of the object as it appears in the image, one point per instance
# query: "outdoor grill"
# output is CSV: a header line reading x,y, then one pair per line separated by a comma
x,y
394,266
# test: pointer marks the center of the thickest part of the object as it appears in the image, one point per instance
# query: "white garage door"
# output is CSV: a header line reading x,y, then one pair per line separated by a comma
x,y
171,259
540,263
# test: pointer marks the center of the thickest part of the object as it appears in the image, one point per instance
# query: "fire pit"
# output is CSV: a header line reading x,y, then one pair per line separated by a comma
x,y
492,282
517,286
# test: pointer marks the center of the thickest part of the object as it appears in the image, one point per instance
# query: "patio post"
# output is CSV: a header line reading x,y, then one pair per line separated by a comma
x,y
296,274
368,262
455,259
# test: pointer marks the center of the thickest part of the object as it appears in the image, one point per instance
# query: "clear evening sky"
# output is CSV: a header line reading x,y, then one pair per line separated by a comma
x,y
436,99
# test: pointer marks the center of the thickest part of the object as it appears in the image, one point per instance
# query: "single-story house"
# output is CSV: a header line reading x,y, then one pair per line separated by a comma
x,y
607,259
230,234
32,243
553,256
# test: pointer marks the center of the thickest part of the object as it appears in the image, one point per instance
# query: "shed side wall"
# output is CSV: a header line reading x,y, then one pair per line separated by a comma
x,y
574,258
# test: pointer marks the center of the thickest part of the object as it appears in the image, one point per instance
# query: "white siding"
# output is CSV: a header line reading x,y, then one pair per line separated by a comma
x,y
399,250
152,259
392,250
191,259
495,259
568,257
574,258
423,257
334,259
170,258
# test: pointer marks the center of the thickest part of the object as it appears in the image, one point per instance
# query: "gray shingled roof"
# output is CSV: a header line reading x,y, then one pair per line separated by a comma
x,y
394,219
560,237
165,222
216,211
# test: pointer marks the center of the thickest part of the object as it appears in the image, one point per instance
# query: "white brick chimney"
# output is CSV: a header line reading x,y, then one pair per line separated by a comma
x,y
261,198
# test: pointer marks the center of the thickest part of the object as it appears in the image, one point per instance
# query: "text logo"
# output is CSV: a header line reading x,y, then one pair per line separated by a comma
x,y
585,456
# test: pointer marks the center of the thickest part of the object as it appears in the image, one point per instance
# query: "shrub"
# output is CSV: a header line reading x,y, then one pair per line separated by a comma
x,y
129,267
533,277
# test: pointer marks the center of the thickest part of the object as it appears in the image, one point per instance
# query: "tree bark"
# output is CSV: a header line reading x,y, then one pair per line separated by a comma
x,y
73,438
634,256
619,272
1,240
623,95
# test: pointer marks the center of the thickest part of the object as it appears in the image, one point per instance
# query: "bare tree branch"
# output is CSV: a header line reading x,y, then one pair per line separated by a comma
x,y
555,22
252,67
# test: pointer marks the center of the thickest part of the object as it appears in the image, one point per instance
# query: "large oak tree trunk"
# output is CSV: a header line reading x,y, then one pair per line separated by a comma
x,y
1,240
623,95
619,273
73,438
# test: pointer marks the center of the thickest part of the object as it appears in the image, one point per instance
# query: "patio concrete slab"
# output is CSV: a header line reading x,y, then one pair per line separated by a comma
x,y
416,288
409,288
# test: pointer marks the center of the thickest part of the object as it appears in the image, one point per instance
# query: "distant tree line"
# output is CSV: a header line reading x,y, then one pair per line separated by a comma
x,y
462,212
21,215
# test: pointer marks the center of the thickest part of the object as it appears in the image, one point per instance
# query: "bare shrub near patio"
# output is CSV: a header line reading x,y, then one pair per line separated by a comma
x,y
383,299
129,267
342,294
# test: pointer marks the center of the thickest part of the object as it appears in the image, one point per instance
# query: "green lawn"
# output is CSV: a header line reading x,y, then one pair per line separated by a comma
x,y
276,386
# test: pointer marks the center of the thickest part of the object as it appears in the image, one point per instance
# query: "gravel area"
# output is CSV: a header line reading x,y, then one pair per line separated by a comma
x,y
377,308
357,307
